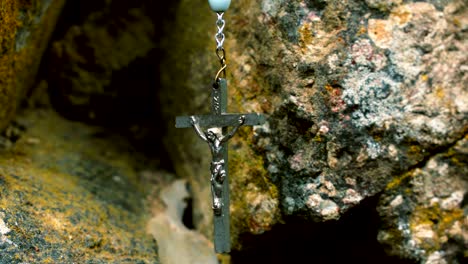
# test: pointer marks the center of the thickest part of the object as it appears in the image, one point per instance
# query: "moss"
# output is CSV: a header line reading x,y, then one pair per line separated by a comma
x,y
74,197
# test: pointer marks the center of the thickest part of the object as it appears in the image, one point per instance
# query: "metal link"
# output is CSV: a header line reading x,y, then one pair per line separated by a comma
x,y
220,23
220,52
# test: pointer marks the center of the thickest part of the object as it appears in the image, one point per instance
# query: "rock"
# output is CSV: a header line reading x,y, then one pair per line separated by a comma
x,y
25,31
177,244
74,196
189,72
98,70
424,210
357,93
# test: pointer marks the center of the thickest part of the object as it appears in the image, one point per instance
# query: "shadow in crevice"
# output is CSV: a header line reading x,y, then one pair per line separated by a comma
x,y
352,239
75,68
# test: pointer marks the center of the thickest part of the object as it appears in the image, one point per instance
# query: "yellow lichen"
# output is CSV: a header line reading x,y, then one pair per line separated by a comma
x,y
305,33
63,204
18,67
250,172
436,221
439,92
398,180
401,15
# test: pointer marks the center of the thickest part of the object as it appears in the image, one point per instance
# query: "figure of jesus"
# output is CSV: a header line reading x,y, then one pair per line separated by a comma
x,y
217,168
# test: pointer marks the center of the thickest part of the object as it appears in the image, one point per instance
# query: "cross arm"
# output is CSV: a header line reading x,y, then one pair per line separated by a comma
x,y
223,120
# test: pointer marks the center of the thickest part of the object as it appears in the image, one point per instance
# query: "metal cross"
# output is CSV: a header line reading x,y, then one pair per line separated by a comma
x,y
219,118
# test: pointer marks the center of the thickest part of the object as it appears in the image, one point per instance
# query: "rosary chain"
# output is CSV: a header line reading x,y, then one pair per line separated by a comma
x,y
220,52
220,23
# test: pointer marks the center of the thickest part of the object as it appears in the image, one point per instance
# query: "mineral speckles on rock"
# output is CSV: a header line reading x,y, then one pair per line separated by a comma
x,y
381,92
323,198
352,197
452,202
374,93
3,231
436,258
417,37
262,209
358,92
383,5
428,222
327,209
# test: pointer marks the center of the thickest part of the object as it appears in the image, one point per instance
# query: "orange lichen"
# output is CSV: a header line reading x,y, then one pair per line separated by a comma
x,y
379,32
362,30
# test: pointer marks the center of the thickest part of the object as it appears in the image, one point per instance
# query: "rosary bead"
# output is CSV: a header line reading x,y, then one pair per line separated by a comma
x,y
219,5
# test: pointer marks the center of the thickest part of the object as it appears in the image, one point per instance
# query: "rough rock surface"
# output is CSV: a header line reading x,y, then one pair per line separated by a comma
x,y
359,96
185,89
357,93
25,29
424,210
70,193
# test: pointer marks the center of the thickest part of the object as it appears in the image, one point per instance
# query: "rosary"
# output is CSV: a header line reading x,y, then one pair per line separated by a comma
x,y
217,134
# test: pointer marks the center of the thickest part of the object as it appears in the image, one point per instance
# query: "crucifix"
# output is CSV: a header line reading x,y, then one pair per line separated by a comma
x,y
214,130
217,140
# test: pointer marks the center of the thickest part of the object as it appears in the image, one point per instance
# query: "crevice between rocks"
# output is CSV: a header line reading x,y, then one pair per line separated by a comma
x,y
352,239
434,152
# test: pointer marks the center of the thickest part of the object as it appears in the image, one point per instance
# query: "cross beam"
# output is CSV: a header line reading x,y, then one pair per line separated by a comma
x,y
219,150
222,120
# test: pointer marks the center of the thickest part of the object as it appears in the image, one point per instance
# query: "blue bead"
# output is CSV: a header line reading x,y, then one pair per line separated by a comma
x,y
219,5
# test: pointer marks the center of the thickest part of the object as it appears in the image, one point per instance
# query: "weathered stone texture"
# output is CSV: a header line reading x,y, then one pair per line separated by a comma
x,y
70,193
424,210
357,93
190,65
25,29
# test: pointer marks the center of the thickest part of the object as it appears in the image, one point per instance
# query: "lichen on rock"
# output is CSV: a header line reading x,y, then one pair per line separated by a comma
x,y
361,98
25,29
68,195
356,93
425,214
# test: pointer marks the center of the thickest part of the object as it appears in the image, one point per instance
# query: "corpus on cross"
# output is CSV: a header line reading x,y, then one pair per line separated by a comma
x,y
217,135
